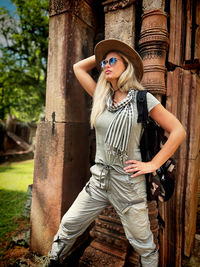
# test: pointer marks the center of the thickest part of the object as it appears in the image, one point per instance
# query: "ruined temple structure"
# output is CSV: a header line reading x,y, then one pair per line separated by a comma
x,y
167,36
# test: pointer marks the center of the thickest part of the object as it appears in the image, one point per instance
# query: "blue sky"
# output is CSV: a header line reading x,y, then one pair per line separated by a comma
x,y
11,7
8,5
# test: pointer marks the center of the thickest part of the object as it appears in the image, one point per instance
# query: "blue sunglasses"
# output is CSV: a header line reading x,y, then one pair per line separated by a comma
x,y
112,61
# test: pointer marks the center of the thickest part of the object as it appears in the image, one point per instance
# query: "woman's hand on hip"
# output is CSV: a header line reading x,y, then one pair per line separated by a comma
x,y
139,167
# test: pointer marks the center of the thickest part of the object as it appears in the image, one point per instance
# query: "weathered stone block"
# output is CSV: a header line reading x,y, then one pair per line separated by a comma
x,y
60,172
64,95
120,24
152,4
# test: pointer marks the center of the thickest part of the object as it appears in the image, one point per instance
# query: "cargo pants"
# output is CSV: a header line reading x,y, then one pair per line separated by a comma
x,y
127,195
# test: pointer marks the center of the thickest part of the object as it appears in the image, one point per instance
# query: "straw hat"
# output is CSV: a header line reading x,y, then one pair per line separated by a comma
x,y
105,46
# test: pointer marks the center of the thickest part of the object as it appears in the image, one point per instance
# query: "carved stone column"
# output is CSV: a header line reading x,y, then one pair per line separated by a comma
x,y
61,170
153,45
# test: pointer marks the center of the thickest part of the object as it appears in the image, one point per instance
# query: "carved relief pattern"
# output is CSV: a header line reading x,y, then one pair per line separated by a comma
x,y
84,11
59,6
80,8
115,5
152,4
108,229
153,45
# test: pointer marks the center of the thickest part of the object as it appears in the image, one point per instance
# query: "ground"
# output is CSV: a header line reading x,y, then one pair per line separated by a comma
x,y
12,250
16,252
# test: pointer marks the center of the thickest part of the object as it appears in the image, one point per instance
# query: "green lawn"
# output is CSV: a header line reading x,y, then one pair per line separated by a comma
x,y
14,181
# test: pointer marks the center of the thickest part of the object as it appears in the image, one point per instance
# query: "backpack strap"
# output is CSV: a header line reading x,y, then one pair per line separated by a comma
x,y
143,116
142,106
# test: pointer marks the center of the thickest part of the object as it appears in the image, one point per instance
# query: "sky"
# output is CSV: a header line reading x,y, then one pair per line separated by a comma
x,y
8,5
11,7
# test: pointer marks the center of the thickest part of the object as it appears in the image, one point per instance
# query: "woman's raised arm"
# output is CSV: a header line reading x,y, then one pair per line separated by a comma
x,y
81,70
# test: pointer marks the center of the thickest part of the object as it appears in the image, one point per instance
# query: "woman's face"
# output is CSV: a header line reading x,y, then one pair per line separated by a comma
x,y
113,71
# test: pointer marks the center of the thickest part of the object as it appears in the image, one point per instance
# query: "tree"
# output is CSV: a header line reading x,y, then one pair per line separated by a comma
x,y
23,59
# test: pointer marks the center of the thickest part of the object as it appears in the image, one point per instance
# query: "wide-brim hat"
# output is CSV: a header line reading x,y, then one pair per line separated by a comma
x,y
105,46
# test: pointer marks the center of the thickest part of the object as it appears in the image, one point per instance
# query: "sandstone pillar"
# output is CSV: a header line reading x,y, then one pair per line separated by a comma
x,y
62,156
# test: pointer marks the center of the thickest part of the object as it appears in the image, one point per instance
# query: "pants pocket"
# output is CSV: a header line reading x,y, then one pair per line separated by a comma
x,y
129,204
136,222
138,186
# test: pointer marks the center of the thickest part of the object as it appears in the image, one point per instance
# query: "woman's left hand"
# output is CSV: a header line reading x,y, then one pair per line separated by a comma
x,y
139,167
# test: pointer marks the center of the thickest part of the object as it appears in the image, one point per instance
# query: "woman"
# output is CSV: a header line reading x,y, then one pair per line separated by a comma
x,y
118,176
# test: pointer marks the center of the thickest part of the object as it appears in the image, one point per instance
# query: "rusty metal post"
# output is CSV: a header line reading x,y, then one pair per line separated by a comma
x,y
62,146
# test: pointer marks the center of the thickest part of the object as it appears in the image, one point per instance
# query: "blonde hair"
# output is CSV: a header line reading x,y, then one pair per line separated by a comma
x,y
126,81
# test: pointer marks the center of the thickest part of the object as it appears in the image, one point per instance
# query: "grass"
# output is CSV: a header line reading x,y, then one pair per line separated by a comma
x,y
14,181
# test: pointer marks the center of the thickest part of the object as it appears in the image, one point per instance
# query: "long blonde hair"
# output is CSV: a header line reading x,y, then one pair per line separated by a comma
x,y
126,81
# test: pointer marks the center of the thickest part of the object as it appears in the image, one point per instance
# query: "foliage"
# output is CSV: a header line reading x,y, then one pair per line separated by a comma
x,y
14,181
23,59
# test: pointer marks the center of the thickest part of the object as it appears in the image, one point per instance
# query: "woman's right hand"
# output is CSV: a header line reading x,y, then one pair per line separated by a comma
x,y
138,167
81,70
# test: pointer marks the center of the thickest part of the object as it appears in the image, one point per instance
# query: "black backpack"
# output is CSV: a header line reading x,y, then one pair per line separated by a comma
x,y
160,185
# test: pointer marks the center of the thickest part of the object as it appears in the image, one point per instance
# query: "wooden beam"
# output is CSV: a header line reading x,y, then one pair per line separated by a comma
x,y
177,33
193,166
197,32
19,141
189,29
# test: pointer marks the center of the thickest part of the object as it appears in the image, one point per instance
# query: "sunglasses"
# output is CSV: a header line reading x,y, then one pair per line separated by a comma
x,y
112,61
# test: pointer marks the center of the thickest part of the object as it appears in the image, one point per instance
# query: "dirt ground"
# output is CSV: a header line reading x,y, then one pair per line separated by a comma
x,y
14,248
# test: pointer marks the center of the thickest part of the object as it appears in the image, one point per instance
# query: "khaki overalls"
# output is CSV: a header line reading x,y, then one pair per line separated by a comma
x,y
110,185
